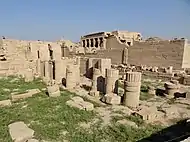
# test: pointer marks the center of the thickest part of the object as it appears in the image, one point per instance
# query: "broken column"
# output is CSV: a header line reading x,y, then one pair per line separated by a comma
x,y
125,56
171,88
111,97
94,90
28,75
132,86
53,90
46,71
112,76
38,67
72,76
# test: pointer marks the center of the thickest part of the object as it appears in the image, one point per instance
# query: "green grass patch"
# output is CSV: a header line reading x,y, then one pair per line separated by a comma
x,y
12,84
50,117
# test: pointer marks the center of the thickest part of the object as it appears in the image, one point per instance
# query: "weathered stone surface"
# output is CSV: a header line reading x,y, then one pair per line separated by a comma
x,y
77,99
127,122
113,99
20,132
79,103
30,93
33,140
53,91
94,93
5,103
88,106
74,104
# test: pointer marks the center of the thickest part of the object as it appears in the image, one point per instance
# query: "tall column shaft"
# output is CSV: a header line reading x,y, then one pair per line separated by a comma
x,y
132,86
96,74
112,76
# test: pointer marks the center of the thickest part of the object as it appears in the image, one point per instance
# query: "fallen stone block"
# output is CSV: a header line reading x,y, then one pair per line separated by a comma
x,y
55,94
77,99
71,103
20,132
53,88
94,93
127,122
87,106
30,93
112,99
5,103
53,91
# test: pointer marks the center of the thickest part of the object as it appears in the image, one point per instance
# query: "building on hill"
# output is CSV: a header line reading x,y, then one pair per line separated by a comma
x,y
101,40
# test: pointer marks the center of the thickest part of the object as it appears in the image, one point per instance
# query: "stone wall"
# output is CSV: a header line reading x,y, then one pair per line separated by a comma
x,y
162,53
186,57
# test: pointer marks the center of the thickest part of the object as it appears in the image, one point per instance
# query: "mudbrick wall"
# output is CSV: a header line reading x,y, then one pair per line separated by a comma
x,y
163,54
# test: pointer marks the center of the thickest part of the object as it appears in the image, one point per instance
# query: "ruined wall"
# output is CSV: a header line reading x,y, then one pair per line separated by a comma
x,y
162,53
115,55
114,50
113,42
186,55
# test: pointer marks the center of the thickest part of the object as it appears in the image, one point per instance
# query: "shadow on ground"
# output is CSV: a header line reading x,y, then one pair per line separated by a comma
x,y
174,133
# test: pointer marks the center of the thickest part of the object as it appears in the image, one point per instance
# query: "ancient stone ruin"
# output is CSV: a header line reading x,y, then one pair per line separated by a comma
x,y
109,68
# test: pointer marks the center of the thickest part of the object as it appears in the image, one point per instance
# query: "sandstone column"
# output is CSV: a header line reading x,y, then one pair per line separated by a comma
x,y
38,67
132,86
125,56
42,69
89,69
51,71
46,70
112,76
96,74
72,76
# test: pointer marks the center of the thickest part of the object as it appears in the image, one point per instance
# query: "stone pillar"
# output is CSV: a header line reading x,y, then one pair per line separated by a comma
x,y
72,76
125,56
96,74
28,75
112,76
98,40
42,69
89,69
38,67
51,71
104,43
59,71
47,72
132,86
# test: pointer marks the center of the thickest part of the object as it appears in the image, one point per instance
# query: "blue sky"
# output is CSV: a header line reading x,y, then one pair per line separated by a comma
x,y
52,19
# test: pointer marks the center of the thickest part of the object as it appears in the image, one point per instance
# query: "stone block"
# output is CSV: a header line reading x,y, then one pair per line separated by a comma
x,y
88,106
71,103
77,99
5,103
30,93
52,89
20,132
55,94
127,122
28,76
94,93
112,99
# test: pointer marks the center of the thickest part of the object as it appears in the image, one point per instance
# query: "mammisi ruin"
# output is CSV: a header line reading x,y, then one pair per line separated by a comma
x,y
111,67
